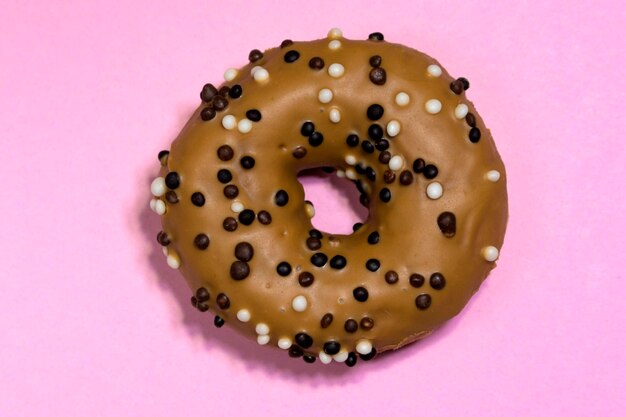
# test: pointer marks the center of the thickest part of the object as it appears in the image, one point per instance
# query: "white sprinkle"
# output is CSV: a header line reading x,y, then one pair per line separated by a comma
x,y
393,128
262,329
263,339
299,303
351,174
284,343
159,207
244,126
310,210
493,175
433,106
350,159
461,111
396,163
230,74
166,251
334,45
434,70
324,358
243,315
236,207
434,190
340,173
325,95
490,253
341,356
335,33
254,69
173,261
152,202
261,75
366,187
364,347
335,115
158,187
335,70
402,98
229,122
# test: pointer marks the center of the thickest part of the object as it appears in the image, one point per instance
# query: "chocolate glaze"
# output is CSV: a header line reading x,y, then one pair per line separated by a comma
x,y
409,225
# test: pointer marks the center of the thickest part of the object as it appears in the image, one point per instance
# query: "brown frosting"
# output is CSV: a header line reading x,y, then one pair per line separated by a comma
x,y
424,249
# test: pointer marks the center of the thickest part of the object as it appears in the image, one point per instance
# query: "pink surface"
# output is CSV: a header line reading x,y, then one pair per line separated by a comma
x,y
95,324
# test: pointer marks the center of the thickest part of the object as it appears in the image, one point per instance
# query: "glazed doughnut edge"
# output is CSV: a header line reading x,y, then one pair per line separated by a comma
x,y
386,117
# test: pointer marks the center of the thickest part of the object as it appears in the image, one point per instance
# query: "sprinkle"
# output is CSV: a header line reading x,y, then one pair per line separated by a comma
x,y
244,126
239,270
281,198
316,63
430,171
340,174
263,339
367,323
396,163
254,115
335,115
236,207
291,56
350,160
225,153
159,207
423,301
393,128
208,92
406,178
378,76
324,358
255,69
243,315
305,279
447,223
360,294
235,91
375,112
326,320
283,269
391,277
376,36
461,111
335,33
299,303
493,176
433,106
264,217
295,351
351,360
207,114
341,356
284,343
223,302
351,174
335,70
434,70
376,60
218,321
247,162
173,261
474,135
364,346
201,241
230,74
402,98
262,329
416,280
229,122
165,250
490,253
372,264
158,187
334,44
437,281
434,190
325,95
309,209
286,43
332,347
197,199
261,75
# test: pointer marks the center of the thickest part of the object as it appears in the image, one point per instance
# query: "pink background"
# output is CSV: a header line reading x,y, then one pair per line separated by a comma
x,y
95,324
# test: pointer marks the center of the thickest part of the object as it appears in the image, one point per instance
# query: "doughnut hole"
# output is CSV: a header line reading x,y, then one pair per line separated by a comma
x,y
336,201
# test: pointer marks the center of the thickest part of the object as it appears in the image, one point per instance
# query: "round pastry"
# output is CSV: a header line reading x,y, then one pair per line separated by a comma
x,y
388,118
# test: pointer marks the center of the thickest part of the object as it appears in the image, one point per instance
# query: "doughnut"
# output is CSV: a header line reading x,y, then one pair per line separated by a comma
x,y
386,117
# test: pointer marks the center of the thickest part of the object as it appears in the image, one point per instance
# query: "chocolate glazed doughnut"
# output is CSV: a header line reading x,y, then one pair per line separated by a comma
x,y
387,117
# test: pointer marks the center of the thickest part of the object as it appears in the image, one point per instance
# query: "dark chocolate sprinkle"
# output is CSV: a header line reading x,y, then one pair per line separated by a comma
x,y
378,76
235,91
332,347
172,180
474,135
351,361
304,340
328,170
352,140
244,251
197,199
430,171
465,83
406,178
313,243
418,165
356,226
389,176
364,200
225,153
384,157
201,241
202,307
299,152
316,63
372,264
219,103
307,129
370,174
229,224
367,146
338,262
254,115
231,191
171,197
239,270
163,155
255,55
224,176
163,238
305,279
470,119
416,280
208,92
360,294
447,223
218,321
375,61
202,294
247,162
382,145
291,56
369,356
319,259
316,234
295,351
264,217
423,301
373,238
246,217
375,131
375,112
223,90
286,43
367,323
384,195
281,198
391,277
360,169
223,301
437,281
207,114
309,358
326,320
283,269
376,36
316,139
457,86
351,326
